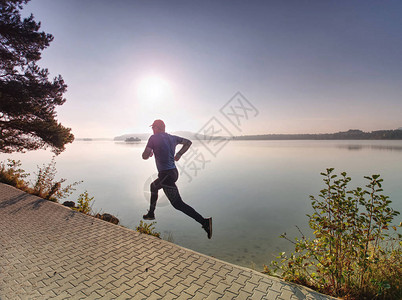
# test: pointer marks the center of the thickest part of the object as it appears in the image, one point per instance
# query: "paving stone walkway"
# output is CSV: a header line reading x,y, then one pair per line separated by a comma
x,y
48,251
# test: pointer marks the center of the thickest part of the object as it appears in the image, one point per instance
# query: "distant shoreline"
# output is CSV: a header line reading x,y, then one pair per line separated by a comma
x,y
352,134
347,135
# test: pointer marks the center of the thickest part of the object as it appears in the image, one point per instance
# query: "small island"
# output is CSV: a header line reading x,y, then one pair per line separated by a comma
x,y
132,140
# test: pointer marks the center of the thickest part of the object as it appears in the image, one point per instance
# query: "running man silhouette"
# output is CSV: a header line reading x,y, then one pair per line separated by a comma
x,y
163,145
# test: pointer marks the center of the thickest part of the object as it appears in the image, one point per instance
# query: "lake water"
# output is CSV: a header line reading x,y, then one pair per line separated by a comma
x,y
254,190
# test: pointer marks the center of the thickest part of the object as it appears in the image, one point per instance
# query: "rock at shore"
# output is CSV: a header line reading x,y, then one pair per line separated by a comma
x,y
108,217
69,204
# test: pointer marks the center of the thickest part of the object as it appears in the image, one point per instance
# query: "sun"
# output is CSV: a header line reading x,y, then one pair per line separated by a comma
x,y
153,88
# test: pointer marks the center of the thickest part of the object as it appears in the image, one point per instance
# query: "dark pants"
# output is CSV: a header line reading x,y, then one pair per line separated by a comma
x,y
166,181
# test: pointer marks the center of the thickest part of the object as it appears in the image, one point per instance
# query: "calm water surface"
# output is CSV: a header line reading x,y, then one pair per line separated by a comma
x,y
254,190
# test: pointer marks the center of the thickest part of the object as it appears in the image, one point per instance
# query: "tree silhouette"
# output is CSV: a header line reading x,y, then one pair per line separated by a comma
x,y
27,98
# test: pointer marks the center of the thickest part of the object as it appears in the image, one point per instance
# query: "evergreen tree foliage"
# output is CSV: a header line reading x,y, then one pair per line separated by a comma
x,y
27,97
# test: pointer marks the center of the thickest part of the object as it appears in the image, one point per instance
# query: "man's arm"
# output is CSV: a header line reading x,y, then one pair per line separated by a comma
x,y
147,153
186,145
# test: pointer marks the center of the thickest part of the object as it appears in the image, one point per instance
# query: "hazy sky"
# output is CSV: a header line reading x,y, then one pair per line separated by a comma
x,y
306,66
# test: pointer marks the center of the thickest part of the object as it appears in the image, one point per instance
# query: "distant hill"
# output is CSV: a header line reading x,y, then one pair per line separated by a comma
x,y
145,136
352,134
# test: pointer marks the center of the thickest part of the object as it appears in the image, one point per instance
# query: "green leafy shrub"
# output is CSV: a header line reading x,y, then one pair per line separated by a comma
x,y
12,174
83,203
148,229
45,185
352,254
47,188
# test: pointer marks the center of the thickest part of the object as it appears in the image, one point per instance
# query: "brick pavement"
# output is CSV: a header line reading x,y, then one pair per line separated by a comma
x,y
48,251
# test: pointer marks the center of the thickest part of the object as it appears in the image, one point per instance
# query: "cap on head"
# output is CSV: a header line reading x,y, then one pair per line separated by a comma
x,y
159,124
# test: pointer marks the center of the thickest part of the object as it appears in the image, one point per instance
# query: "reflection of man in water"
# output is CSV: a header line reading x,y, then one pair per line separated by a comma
x,y
163,145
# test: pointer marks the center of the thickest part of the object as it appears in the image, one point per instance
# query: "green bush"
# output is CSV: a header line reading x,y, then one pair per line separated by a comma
x,y
45,185
148,229
12,174
352,254
83,203
47,188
